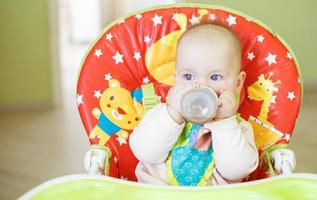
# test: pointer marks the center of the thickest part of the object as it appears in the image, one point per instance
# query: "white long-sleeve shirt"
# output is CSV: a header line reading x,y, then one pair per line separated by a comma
x,y
235,153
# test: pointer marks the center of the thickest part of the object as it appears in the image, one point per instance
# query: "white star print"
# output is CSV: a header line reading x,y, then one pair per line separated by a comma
x,y
175,16
291,95
231,20
138,16
80,99
146,80
251,56
157,19
118,57
121,140
194,20
115,159
98,53
212,17
273,99
289,56
147,39
298,79
260,38
108,77
109,36
97,94
137,56
287,137
271,59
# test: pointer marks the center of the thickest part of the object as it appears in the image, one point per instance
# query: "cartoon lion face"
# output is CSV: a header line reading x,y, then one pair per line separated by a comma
x,y
119,106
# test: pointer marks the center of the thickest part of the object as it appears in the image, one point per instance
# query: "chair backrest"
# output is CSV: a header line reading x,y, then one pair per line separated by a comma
x,y
140,49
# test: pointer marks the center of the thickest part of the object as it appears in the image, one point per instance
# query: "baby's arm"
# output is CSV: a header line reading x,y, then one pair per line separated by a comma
x,y
235,153
160,128
155,136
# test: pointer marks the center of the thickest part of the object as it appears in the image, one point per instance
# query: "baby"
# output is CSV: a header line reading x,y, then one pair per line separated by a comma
x,y
173,152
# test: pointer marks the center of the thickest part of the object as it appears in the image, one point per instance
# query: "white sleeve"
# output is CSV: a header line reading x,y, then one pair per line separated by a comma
x,y
235,153
155,136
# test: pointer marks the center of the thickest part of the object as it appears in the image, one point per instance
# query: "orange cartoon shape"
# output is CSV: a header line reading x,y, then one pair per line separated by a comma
x,y
120,111
160,57
264,132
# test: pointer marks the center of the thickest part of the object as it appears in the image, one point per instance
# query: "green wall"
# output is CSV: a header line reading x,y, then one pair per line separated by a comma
x,y
294,20
25,69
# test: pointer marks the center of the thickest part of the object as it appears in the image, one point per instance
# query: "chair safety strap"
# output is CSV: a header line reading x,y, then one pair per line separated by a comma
x,y
267,159
149,98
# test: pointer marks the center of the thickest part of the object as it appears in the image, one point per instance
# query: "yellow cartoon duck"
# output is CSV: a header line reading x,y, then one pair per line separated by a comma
x,y
119,112
160,57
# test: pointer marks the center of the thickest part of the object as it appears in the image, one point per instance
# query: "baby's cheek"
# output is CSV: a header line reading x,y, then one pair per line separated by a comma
x,y
224,85
216,88
178,78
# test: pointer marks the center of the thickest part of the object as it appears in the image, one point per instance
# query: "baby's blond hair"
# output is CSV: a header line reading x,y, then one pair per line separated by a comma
x,y
204,31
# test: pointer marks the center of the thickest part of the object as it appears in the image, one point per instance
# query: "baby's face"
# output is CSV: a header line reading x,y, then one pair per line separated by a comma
x,y
209,60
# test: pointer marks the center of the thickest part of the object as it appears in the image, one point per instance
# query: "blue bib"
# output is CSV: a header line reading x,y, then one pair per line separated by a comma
x,y
188,164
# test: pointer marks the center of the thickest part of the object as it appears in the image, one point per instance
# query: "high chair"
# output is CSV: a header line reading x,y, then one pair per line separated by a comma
x,y
129,69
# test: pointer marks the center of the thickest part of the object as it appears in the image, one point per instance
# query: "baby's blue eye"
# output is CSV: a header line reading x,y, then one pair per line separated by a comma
x,y
215,77
189,77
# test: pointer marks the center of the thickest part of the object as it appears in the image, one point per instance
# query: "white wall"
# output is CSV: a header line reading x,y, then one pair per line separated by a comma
x,y
113,9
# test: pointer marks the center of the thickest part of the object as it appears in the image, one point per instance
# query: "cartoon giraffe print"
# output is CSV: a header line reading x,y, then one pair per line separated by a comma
x,y
262,90
264,132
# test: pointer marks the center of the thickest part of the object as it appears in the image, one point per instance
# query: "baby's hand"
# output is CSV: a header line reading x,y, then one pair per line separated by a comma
x,y
228,105
174,99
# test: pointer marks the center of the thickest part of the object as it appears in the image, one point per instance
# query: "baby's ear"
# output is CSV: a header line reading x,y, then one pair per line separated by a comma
x,y
240,81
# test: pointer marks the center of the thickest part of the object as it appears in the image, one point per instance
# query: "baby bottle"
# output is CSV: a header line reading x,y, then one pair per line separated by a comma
x,y
199,105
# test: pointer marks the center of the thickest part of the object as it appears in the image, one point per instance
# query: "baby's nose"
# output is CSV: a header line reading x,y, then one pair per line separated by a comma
x,y
197,85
